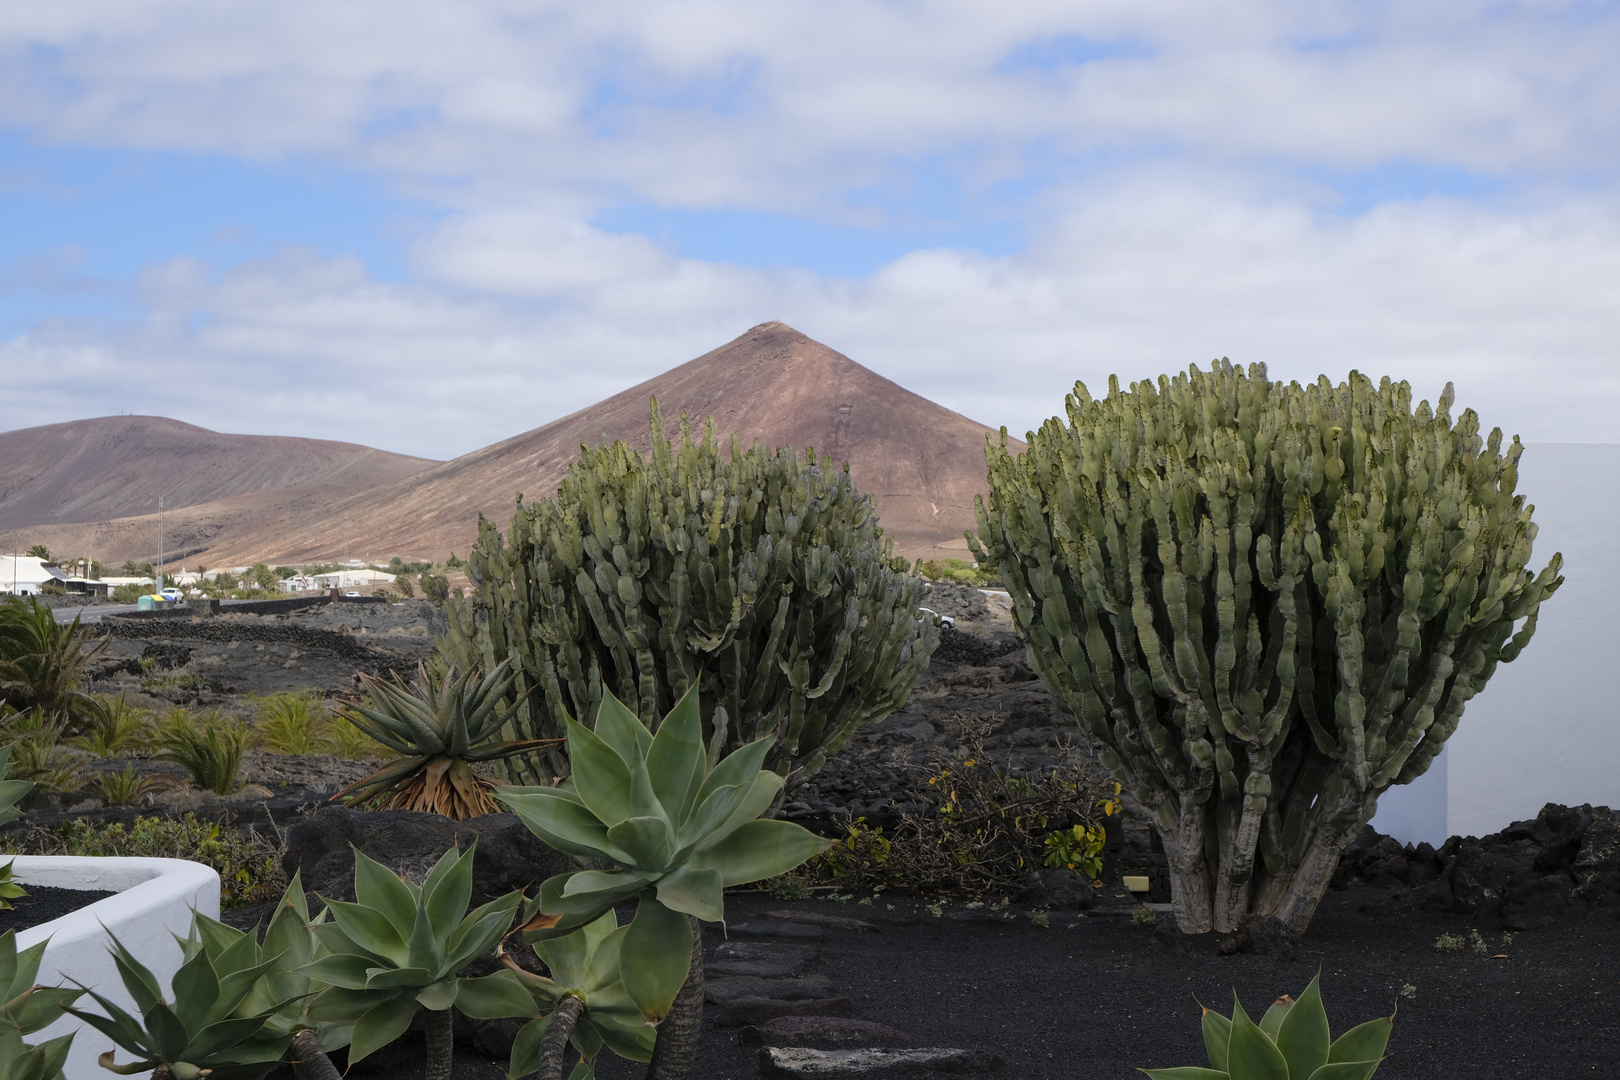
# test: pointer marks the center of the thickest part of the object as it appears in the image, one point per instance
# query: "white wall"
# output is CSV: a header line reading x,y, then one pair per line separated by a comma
x,y
1547,726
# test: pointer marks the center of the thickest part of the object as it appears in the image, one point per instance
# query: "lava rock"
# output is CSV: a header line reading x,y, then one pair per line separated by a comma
x,y
726,990
822,1033
1057,888
321,848
754,1011
795,1061
1262,935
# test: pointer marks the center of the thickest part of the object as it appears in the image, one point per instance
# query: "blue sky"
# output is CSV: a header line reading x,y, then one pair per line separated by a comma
x,y
476,217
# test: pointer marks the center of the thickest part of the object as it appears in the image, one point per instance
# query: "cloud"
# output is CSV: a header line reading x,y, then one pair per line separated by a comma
x,y
1515,308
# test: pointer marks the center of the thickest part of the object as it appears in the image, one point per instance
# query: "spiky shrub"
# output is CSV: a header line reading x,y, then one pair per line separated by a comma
x,y
205,1028
11,791
585,1002
397,949
26,1008
441,727
1265,604
675,833
43,662
115,730
291,723
1291,1042
207,745
762,578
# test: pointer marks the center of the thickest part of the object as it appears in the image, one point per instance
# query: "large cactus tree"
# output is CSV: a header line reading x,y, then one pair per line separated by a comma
x,y
760,576
1265,604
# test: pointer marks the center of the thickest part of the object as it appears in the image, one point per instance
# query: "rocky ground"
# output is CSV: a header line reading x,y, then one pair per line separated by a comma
x,y
187,660
1502,952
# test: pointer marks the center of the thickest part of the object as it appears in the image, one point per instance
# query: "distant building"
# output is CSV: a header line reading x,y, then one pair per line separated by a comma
x,y
24,575
353,579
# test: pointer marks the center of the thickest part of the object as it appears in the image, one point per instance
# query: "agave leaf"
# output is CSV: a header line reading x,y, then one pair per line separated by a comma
x,y
568,958
1217,1038
583,1071
601,978
560,819
621,728
480,930
656,957
759,849
1186,1072
755,801
384,892
220,1036
1252,1055
381,1025
439,996
526,1049
494,997
736,769
1346,1070
647,840
398,978
141,983
448,890
367,933
675,760
1273,1019
168,1034
1364,1042
695,891
1303,1037
601,775
347,970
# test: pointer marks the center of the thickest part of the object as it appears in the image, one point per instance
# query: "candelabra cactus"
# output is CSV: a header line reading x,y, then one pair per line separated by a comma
x,y
760,577
1265,604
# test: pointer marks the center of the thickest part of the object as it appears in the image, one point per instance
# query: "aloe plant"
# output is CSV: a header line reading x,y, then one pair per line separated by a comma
x,y
26,1008
11,791
676,834
585,998
1291,1042
397,949
208,1027
442,726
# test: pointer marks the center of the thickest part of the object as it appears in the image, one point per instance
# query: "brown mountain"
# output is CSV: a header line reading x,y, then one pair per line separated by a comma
x,y
73,486
117,466
922,463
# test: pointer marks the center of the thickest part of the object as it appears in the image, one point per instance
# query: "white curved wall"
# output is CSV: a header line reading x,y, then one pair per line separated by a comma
x,y
155,900
1547,726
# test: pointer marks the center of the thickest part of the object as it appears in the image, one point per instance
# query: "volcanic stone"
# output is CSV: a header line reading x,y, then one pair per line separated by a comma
x,y
724,991
796,1061
757,1010
822,1033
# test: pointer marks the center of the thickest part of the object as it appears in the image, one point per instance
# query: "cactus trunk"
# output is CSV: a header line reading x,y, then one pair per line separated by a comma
x,y
438,1030
309,1059
1264,604
554,1046
676,1049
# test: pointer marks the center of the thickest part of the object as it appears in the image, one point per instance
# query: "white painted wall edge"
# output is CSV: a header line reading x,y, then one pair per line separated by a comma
x,y
155,900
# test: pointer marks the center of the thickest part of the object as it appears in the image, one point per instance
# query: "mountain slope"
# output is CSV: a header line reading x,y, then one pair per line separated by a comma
x,y
922,462
118,466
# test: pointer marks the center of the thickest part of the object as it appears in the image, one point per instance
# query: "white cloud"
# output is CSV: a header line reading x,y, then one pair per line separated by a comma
x,y
1516,308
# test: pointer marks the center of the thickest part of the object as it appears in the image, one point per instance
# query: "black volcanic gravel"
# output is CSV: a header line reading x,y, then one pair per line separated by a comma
x,y
46,902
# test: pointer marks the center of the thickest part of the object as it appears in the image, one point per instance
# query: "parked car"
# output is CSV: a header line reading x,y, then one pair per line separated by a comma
x,y
172,595
351,594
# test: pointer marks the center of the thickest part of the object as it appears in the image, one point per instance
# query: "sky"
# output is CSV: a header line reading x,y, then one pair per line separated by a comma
x,y
428,226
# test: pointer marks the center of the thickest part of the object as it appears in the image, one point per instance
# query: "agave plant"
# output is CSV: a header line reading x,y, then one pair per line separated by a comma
x,y
441,726
11,791
208,1028
283,994
675,831
397,949
26,1008
586,1001
1291,1042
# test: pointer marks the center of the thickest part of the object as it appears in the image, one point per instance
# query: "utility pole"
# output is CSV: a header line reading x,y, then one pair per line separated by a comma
x,y
157,571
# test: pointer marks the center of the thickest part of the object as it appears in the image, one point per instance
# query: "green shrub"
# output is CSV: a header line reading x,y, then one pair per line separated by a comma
x,y
118,729
248,863
208,745
759,577
38,754
959,571
124,786
128,594
292,723
986,830
1265,604
43,662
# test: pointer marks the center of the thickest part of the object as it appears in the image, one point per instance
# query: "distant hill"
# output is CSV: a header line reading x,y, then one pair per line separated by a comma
x,y
118,466
921,462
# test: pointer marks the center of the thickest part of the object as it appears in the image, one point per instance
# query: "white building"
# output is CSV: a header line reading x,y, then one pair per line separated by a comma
x,y
23,575
352,579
